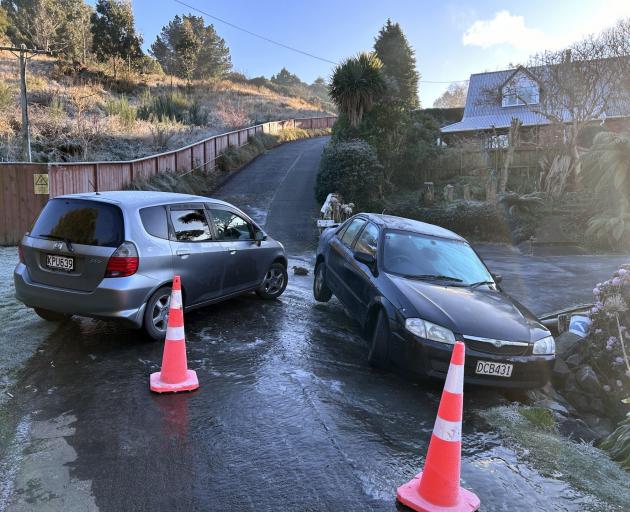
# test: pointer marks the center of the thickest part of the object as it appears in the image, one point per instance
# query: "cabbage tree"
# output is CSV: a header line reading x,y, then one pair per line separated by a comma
x,y
356,84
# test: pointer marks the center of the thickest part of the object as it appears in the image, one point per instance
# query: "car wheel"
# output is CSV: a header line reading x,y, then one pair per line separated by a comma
x,y
156,314
321,292
51,316
378,356
274,283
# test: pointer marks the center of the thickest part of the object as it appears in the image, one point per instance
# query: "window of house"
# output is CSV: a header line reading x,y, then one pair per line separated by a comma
x,y
520,90
498,141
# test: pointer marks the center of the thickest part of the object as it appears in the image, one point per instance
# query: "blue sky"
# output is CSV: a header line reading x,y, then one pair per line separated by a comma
x,y
452,39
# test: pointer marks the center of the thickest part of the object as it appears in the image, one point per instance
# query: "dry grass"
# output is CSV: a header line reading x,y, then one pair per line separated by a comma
x,y
85,115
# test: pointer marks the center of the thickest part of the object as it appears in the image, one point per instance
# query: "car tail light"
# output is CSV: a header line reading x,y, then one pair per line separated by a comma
x,y
21,253
124,262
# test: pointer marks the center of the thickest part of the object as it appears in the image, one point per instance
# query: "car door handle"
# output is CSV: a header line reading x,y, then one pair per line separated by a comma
x,y
182,253
232,252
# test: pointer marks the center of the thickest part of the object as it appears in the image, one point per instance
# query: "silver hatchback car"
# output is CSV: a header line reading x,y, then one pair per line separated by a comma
x,y
112,255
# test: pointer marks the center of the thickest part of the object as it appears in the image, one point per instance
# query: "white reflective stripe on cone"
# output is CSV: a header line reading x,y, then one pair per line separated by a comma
x,y
448,430
455,379
176,299
175,333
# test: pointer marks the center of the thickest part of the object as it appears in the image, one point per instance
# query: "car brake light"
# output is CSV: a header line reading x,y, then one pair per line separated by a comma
x,y
124,262
21,253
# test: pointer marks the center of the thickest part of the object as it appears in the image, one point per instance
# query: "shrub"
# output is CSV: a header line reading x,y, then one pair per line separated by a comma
x,y
197,115
474,220
173,106
608,347
351,169
617,444
123,110
6,96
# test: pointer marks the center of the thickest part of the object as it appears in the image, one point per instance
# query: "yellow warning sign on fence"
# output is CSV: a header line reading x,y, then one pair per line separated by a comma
x,y
40,183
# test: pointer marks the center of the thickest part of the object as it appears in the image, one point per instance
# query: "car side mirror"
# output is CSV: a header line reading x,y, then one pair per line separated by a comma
x,y
497,278
366,259
259,236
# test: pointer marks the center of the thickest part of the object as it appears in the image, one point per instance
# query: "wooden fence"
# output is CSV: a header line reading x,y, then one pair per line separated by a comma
x,y
454,162
19,204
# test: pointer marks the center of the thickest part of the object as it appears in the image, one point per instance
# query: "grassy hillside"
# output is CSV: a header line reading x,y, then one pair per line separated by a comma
x,y
81,113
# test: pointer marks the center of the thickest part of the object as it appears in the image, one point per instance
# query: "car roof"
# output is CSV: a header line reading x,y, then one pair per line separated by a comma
x,y
141,198
415,226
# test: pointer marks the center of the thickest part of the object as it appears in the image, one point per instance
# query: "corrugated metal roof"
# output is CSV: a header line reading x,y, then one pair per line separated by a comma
x,y
483,108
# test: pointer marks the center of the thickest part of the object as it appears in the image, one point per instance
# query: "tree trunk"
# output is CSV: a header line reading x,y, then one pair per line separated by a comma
x,y
513,138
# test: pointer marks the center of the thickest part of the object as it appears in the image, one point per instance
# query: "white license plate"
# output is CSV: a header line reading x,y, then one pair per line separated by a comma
x,y
59,262
496,369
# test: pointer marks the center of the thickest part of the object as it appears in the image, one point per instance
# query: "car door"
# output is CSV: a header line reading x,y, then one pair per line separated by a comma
x,y
245,256
198,258
339,258
358,275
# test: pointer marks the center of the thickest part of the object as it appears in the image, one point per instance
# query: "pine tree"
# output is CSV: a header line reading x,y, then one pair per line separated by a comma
x,y
56,25
187,48
114,32
399,64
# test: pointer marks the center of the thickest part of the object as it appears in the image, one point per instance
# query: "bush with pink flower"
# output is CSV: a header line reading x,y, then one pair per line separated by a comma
x,y
608,344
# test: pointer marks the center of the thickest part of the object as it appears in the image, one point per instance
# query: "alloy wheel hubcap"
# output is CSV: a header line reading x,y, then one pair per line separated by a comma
x,y
274,280
160,312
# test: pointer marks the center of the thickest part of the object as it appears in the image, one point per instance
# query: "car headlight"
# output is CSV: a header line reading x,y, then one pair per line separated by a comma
x,y
546,345
427,330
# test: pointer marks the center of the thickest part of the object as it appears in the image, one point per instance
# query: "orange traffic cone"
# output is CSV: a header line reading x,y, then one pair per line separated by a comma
x,y
437,487
175,375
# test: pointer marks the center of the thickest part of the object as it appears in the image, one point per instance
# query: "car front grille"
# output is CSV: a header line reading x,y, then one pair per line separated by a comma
x,y
499,347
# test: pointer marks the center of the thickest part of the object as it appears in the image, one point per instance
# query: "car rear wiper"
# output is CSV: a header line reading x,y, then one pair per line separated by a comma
x,y
429,277
67,241
479,283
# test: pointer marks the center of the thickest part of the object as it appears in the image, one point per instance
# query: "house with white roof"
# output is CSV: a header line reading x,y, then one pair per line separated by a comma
x,y
495,98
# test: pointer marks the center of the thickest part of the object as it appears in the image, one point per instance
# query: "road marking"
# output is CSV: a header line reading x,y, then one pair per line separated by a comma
x,y
273,198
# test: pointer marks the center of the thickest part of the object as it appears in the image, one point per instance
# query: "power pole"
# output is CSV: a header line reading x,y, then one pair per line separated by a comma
x,y
23,56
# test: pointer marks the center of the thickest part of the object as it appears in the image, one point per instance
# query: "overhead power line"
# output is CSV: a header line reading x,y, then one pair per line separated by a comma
x,y
286,46
264,38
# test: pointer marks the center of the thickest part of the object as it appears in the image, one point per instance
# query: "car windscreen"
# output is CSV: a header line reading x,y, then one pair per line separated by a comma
x,y
415,255
81,222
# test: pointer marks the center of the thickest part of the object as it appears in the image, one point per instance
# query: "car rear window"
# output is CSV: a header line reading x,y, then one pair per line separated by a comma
x,y
81,222
154,221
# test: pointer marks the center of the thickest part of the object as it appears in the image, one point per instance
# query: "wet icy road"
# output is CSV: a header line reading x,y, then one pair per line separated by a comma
x,y
288,417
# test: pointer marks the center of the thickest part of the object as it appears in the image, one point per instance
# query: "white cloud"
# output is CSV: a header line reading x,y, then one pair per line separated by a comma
x,y
504,28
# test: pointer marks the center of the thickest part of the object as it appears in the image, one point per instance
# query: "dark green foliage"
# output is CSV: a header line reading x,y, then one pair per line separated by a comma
x,y
606,171
357,83
405,141
352,169
523,213
476,221
114,32
399,64
617,444
59,25
173,106
285,77
187,48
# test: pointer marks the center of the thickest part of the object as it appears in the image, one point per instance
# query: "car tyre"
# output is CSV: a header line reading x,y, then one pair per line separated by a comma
x,y
321,292
156,313
274,283
51,316
378,356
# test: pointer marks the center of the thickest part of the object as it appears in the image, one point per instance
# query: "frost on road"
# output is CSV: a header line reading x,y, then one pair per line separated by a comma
x,y
289,416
